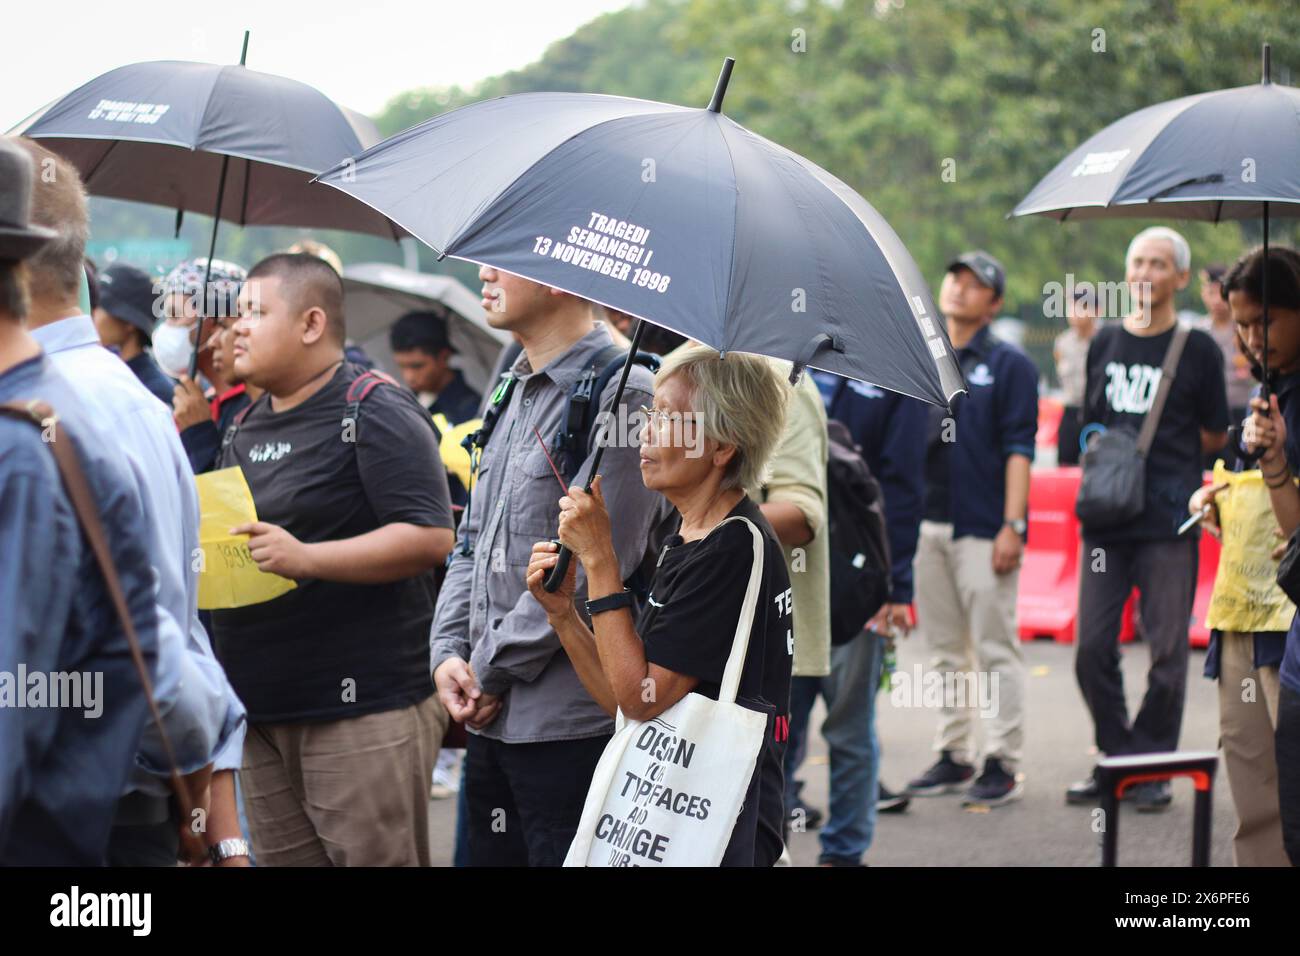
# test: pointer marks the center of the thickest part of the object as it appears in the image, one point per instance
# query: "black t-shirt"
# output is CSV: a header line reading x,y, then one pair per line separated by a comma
x,y
938,468
325,650
688,625
1124,372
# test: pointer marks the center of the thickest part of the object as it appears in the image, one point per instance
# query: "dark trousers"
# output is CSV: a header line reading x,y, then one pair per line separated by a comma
x,y
1287,749
1067,435
1165,573
146,831
525,800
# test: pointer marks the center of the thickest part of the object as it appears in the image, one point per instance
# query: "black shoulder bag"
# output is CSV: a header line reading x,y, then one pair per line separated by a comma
x,y
1113,489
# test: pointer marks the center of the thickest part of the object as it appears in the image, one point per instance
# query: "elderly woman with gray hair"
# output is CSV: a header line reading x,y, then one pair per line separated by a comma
x,y
713,427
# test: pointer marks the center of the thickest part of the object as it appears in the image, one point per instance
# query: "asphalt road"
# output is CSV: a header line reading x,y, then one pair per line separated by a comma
x,y
1040,829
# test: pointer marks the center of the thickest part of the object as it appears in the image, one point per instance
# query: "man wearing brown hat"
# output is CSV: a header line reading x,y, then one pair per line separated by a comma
x,y
62,768
201,714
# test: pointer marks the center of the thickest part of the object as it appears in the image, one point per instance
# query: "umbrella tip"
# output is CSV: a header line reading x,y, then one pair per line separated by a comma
x,y
720,90
243,54
1267,77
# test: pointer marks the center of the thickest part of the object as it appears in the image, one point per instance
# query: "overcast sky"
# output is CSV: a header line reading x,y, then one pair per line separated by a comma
x,y
358,52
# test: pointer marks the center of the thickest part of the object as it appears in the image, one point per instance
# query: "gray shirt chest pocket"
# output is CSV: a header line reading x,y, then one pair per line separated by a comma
x,y
534,508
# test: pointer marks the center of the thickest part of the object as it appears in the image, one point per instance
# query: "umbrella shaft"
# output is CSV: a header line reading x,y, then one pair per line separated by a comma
x,y
563,556
618,398
207,270
1264,389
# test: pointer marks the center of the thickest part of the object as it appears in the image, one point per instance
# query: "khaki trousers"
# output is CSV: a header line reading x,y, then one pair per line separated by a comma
x,y
968,617
1247,720
349,792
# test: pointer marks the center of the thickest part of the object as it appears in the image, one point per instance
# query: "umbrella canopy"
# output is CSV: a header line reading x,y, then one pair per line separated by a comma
x,y
159,133
376,294
1212,156
1227,154
671,214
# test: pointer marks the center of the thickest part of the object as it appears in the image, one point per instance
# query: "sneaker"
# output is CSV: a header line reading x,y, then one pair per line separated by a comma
x,y
889,802
446,776
1084,792
994,787
810,817
946,776
1152,796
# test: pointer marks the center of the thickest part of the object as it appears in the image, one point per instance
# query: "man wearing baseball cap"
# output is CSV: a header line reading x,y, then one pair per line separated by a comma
x,y
971,539
124,320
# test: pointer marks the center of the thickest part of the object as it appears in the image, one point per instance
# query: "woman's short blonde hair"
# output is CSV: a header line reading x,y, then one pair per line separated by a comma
x,y
739,401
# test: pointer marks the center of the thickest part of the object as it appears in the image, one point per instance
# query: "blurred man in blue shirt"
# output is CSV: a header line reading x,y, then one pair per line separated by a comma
x,y
62,768
204,719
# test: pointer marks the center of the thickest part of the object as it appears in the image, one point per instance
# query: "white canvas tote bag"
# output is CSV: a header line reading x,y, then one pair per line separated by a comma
x,y
668,790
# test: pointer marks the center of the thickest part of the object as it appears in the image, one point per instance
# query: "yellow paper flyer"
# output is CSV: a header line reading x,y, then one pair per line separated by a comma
x,y
228,575
1246,596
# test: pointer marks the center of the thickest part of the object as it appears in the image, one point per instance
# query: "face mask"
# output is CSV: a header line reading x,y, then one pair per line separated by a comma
x,y
172,349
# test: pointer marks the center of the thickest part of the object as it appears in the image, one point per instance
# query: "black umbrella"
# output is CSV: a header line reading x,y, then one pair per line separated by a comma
x,y
1228,154
672,214
224,141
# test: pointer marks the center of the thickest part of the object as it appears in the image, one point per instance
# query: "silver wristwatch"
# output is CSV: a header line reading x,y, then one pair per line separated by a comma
x,y
223,850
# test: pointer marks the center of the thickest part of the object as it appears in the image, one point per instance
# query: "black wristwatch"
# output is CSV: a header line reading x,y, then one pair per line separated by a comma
x,y
1020,526
610,602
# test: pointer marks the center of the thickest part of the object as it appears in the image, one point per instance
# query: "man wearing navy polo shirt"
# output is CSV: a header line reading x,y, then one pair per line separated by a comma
x,y
967,566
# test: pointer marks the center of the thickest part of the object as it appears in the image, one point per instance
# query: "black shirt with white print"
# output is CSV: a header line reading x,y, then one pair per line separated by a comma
x,y
688,625
1124,372
327,650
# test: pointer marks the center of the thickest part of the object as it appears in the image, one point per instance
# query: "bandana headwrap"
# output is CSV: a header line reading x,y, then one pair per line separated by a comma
x,y
224,284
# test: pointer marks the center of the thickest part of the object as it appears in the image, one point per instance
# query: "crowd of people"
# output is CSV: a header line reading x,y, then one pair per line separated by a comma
x,y
305,729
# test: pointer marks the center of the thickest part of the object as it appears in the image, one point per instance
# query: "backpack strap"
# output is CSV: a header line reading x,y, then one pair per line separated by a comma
x,y
569,445
580,414
360,389
477,440
229,437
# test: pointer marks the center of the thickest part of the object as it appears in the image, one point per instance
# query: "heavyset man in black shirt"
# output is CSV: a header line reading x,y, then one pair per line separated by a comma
x,y
352,504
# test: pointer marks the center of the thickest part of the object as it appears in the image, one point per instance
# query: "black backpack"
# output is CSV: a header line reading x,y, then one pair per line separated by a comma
x,y
859,543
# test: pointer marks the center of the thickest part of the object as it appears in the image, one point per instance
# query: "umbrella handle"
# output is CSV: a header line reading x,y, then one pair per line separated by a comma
x,y
1234,440
563,556
556,576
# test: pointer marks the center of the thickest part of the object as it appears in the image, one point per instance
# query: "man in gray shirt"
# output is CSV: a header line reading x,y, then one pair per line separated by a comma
x,y
536,734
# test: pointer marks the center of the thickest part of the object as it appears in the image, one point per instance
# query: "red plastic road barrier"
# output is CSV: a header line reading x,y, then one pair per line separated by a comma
x,y
1049,573
1049,422
1047,605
